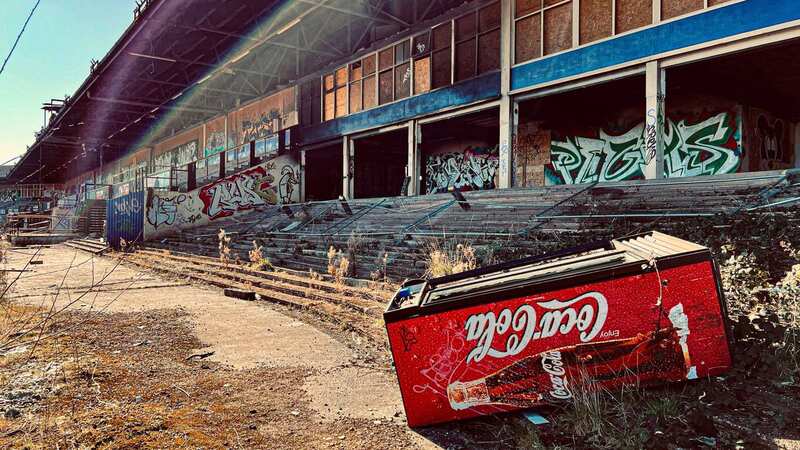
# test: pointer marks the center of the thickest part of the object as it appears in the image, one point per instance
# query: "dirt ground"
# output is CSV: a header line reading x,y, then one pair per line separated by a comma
x,y
143,361
117,374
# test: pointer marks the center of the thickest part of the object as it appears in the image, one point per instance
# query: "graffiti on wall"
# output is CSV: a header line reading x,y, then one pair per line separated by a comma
x,y
258,127
215,143
171,209
257,120
707,148
711,146
771,142
473,169
178,156
245,190
272,182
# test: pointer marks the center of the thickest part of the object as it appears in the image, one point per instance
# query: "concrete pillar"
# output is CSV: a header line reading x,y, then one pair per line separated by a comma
x,y
507,108
655,91
347,167
302,176
413,168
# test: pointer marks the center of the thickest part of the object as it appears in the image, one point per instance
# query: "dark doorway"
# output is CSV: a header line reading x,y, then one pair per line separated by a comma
x,y
323,172
461,153
379,165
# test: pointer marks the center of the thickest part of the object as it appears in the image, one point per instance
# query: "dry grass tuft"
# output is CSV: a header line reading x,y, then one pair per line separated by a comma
x,y
447,260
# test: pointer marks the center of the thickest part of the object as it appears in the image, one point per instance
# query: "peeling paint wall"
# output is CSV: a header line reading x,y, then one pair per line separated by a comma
x,y
273,182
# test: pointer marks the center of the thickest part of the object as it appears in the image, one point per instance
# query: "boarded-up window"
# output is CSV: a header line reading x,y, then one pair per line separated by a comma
x,y
385,59
466,50
489,51
422,75
633,14
558,28
717,2
528,42
489,38
355,96
341,77
329,98
441,64
370,92
595,20
465,59
525,7
385,87
355,87
341,102
675,8
402,81
368,64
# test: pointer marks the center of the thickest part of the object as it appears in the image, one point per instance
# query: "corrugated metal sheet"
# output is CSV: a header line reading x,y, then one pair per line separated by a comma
x,y
125,219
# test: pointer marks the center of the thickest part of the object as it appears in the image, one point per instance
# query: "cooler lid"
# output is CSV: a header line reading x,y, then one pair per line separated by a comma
x,y
568,265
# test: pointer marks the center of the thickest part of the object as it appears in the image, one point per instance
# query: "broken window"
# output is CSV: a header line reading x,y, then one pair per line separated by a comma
x,y
421,51
477,38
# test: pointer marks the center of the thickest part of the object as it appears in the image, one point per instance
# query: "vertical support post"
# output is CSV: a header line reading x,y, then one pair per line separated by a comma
x,y
302,176
347,167
507,130
655,91
411,163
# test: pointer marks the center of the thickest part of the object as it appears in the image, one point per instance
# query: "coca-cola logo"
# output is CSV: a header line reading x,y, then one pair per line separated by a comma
x,y
585,313
553,365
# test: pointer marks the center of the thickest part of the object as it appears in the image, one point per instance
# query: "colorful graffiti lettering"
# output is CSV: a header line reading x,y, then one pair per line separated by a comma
x,y
164,210
473,169
712,146
706,148
244,190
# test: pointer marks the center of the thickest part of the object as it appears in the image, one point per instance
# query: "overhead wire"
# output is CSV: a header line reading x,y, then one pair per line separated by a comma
x,y
13,47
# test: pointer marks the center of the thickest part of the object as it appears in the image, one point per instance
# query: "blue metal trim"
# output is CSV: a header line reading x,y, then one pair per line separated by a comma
x,y
481,88
711,25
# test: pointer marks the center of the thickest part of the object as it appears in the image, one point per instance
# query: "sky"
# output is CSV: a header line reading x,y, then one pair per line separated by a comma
x,y
52,58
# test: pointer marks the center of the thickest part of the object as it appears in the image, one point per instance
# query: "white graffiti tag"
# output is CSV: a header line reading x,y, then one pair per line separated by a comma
x,y
164,210
585,313
699,149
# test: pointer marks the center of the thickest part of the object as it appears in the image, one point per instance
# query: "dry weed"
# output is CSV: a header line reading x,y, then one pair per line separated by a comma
x,y
446,260
257,259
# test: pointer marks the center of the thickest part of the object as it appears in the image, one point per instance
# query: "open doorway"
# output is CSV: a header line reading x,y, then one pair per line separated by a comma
x,y
323,173
461,153
379,164
734,113
591,134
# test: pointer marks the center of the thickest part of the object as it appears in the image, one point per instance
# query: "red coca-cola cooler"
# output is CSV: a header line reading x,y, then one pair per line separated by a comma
x,y
646,309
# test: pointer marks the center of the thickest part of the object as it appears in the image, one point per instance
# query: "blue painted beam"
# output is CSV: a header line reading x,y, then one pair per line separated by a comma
x,y
484,87
719,23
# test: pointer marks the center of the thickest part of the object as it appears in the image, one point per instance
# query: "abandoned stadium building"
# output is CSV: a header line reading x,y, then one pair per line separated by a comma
x,y
197,115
